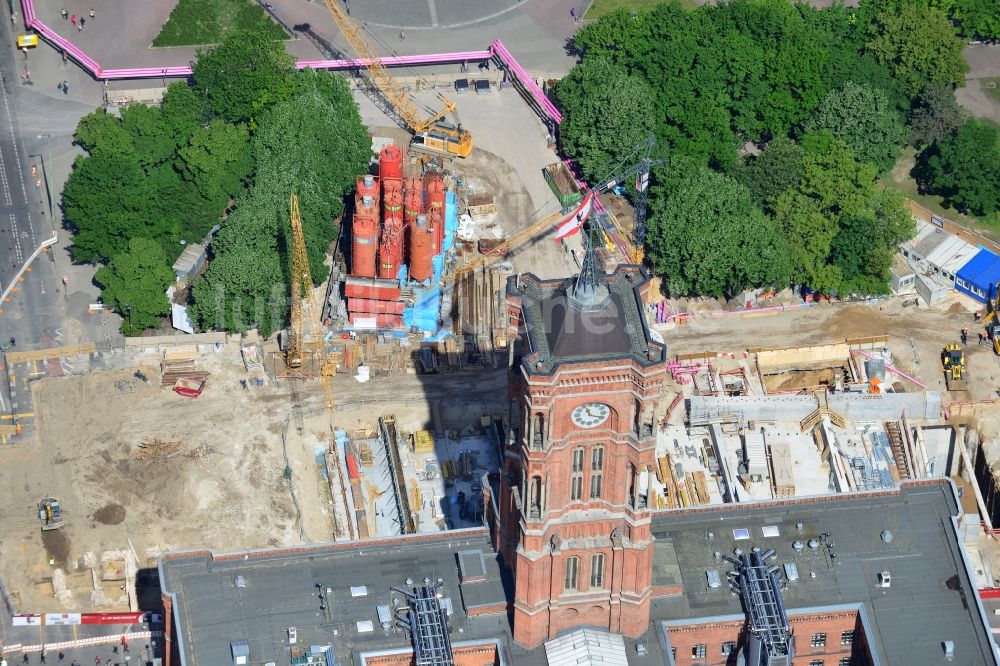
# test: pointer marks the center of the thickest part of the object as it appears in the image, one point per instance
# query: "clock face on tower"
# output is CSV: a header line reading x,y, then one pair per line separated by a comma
x,y
590,414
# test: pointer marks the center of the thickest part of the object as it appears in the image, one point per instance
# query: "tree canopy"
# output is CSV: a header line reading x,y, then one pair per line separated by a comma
x,y
964,168
607,112
244,75
804,106
135,284
707,236
312,144
227,148
863,118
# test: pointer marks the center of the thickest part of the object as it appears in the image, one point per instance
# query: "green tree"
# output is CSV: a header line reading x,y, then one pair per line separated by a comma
x,y
134,283
708,237
919,45
977,19
964,168
244,75
775,170
217,162
606,112
864,119
809,233
841,229
313,144
183,110
935,115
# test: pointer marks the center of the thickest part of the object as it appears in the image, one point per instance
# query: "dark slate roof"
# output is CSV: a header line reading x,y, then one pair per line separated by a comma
x,y
932,597
557,332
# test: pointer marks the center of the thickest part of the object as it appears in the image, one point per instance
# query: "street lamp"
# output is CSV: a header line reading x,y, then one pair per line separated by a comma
x,y
128,316
45,173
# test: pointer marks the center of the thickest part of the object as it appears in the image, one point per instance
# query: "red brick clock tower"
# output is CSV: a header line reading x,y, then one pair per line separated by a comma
x,y
574,525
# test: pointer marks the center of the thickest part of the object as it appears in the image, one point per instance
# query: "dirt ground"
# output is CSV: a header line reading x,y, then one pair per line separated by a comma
x,y
916,337
134,463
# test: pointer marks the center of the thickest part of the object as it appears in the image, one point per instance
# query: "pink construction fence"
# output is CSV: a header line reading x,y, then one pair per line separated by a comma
x,y
496,50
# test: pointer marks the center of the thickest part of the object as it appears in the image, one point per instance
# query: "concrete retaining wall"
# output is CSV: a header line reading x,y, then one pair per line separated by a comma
x,y
853,406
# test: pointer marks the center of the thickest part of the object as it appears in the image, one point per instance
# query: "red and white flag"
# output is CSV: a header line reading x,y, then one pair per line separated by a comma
x,y
574,222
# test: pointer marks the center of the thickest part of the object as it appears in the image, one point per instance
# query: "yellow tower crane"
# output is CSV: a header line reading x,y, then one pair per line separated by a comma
x,y
431,132
304,308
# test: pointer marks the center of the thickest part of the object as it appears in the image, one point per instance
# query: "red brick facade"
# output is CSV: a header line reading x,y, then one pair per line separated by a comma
x,y
820,639
465,655
574,521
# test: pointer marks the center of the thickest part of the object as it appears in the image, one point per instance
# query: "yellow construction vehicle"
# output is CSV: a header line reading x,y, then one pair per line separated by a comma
x,y
953,359
991,321
431,133
50,513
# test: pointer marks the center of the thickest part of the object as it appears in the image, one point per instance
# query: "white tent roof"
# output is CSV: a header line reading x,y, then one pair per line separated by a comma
x,y
586,647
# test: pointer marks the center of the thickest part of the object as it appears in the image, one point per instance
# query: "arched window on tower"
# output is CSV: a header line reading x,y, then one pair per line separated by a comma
x,y
631,486
576,477
597,472
597,570
538,436
572,570
536,497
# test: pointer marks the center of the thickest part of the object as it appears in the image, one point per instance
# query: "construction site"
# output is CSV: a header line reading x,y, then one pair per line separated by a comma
x,y
382,409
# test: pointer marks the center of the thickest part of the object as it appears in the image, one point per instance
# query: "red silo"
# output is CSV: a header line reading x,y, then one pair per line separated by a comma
x,y
391,239
365,227
435,202
421,250
413,200
390,163
435,220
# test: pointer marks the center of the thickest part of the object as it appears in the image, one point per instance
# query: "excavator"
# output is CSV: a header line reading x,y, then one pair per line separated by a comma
x,y
953,360
431,133
992,321
50,514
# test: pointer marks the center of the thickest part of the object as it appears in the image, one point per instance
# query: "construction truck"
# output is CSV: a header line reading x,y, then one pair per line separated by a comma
x,y
50,513
953,360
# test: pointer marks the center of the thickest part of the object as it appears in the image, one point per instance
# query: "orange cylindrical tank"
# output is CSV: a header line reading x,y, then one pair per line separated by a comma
x,y
367,186
413,200
365,226
435,195
391,239
421,250
390,162
435,220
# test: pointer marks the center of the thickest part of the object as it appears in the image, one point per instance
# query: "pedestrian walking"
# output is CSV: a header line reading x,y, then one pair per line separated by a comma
x,y
124,644
13,19
65,88
41,657
25,658
92,14
65,57
402,36
97,661
572,12
72,19
83,21
64,13
79,26
965,336
24,50
61,655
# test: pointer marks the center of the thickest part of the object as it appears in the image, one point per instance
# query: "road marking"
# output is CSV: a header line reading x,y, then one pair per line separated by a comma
x,y
434,13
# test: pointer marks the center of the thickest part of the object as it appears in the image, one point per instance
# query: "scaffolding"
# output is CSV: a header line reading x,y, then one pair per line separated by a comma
x,y
427,622
757,584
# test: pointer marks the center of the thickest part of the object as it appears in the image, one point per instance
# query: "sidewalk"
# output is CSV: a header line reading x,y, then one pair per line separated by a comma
x,y
536,31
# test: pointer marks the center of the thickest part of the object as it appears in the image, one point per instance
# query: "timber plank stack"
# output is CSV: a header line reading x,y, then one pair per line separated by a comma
x,y
179,363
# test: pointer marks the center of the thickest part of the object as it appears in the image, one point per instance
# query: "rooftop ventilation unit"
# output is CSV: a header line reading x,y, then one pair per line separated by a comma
x,y
884,579
886,536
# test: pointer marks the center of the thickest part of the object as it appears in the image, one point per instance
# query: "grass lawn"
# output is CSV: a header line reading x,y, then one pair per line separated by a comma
x,y
599,8
196,22
900,179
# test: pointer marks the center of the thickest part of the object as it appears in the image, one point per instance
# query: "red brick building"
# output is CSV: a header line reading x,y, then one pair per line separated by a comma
x,y
585,376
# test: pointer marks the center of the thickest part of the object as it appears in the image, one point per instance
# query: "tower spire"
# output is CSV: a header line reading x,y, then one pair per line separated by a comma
x,y
589,292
